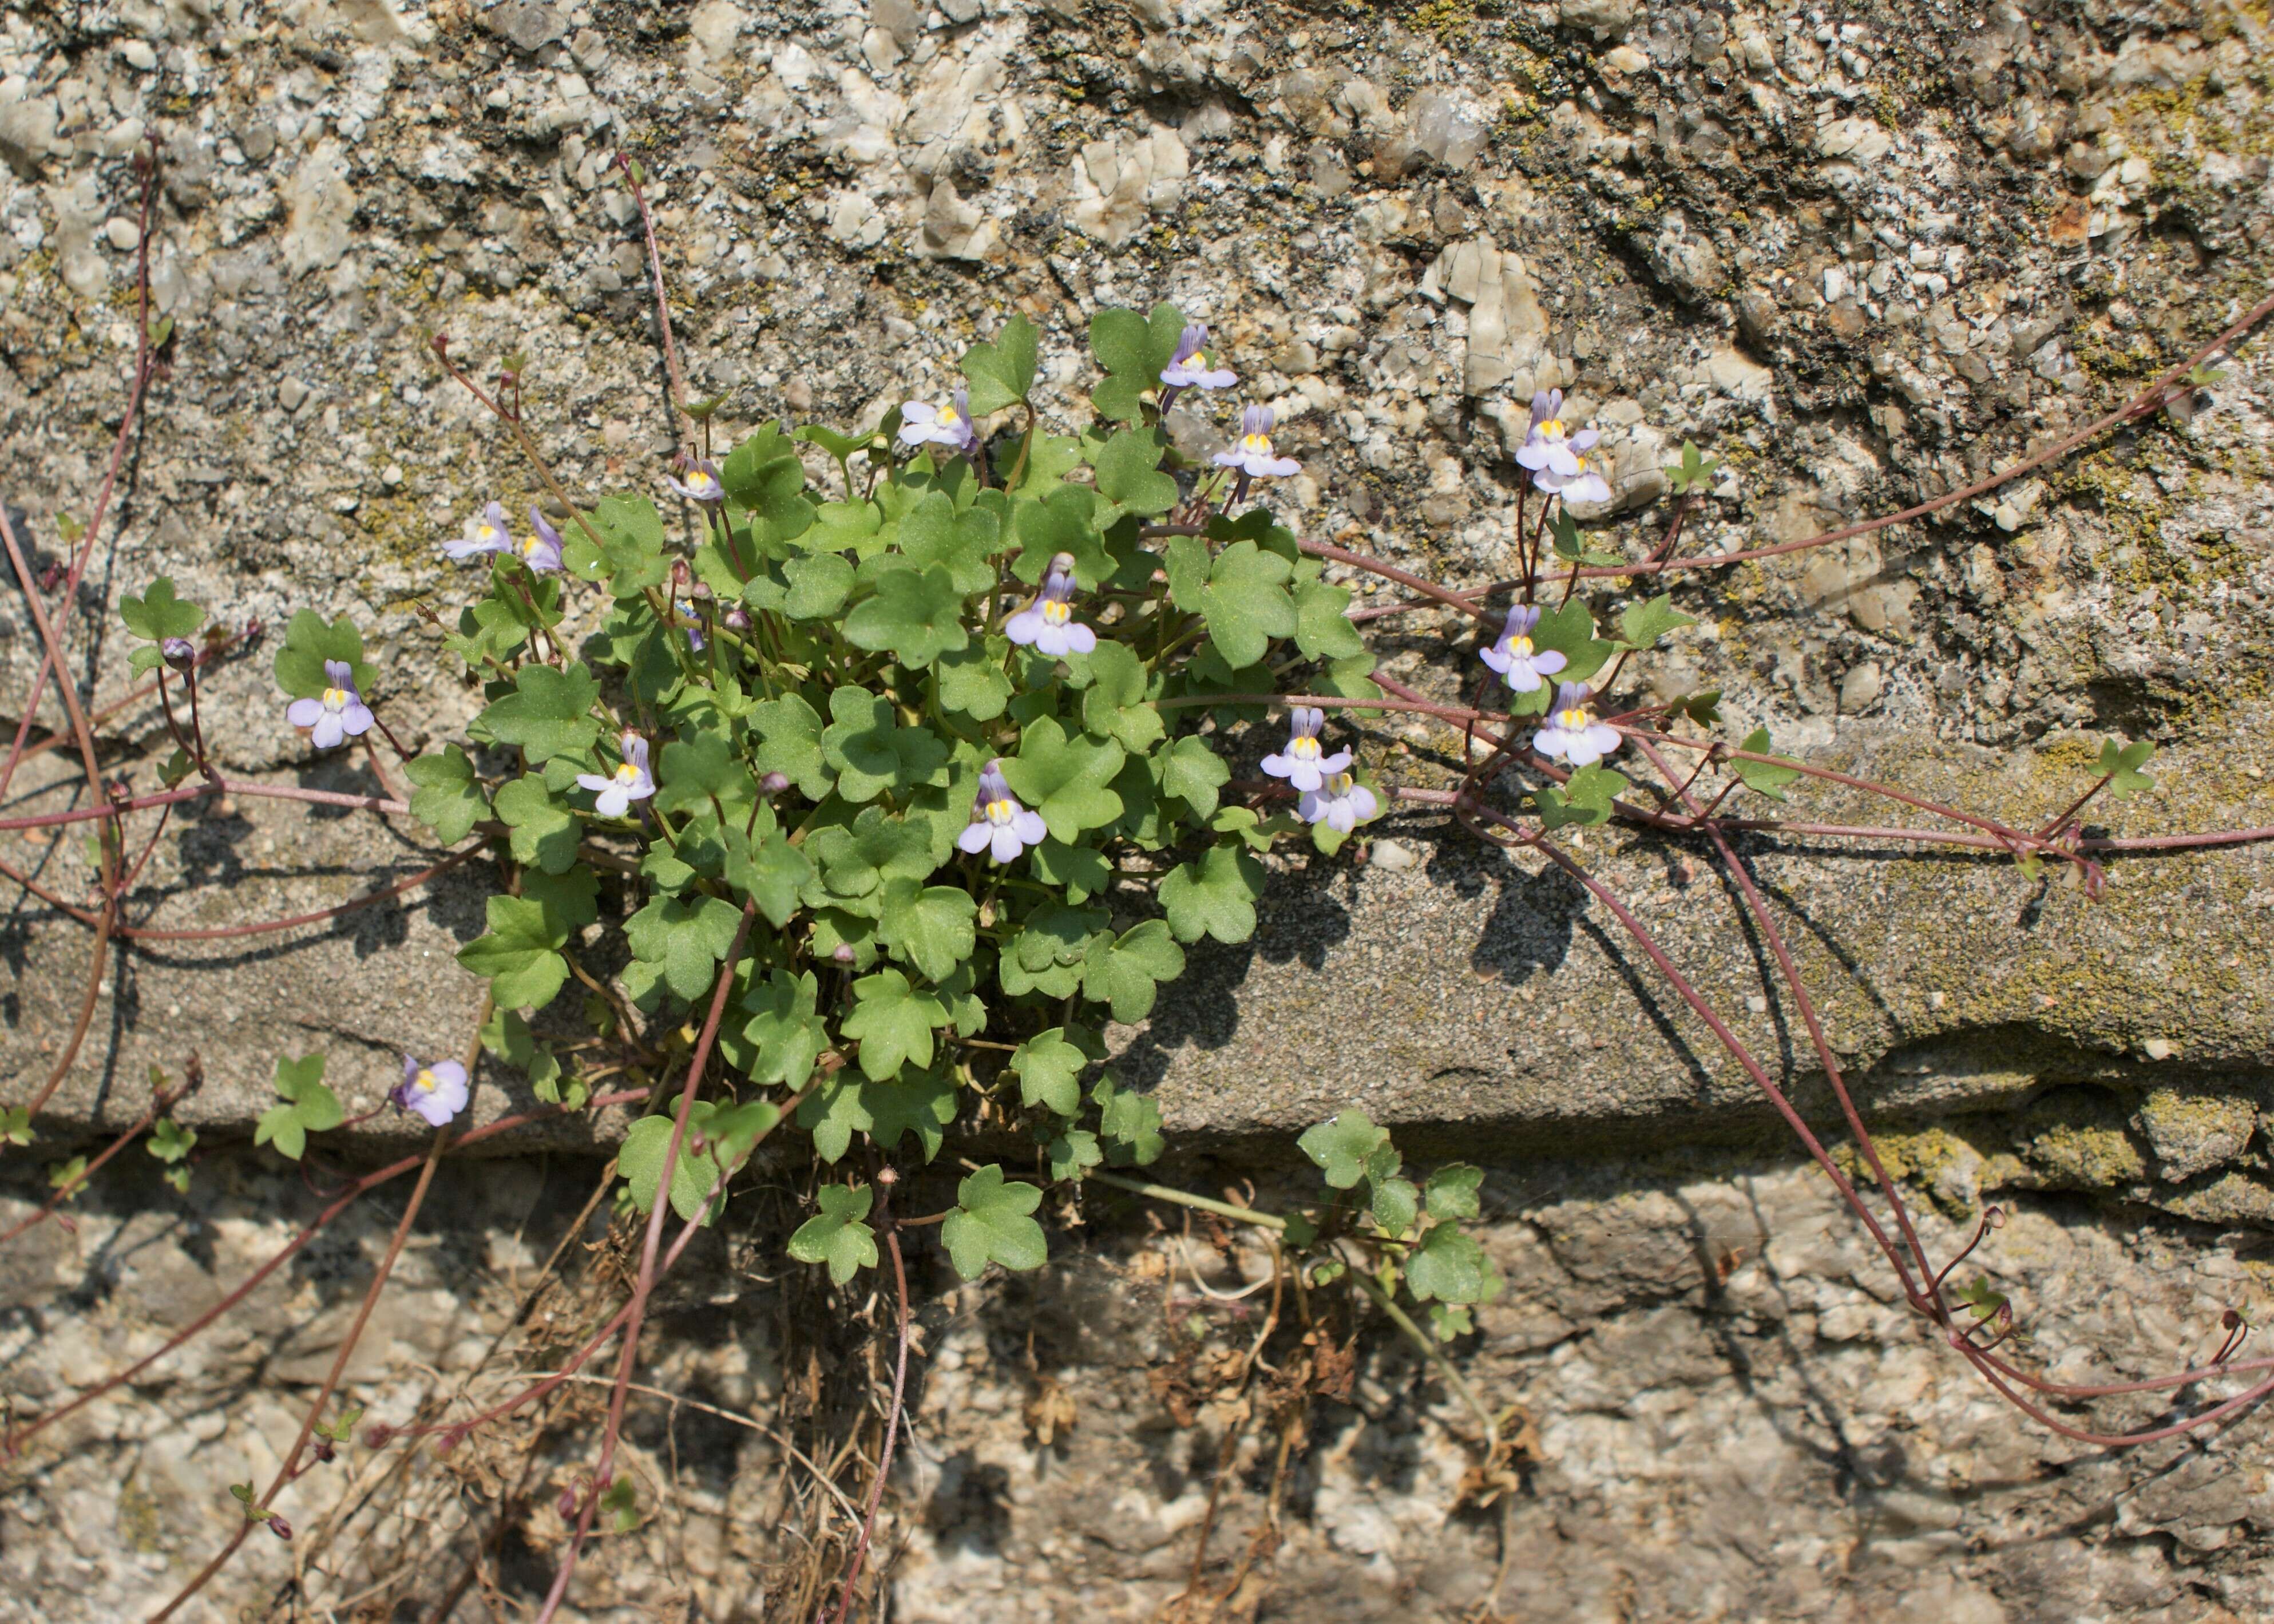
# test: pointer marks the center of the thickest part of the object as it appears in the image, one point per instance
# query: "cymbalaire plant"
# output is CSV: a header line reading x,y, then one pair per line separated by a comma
x,y
912,754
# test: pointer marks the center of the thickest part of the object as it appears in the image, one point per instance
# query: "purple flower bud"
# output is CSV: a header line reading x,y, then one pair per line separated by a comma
x,y
1339,803
1193,367
843,952
1047,622
999,825
279,1526
337,715
378,1435
436,1092
179,652
486,532
773,784
1253,455
1557,457
1304,762
631,780
324,1450
922,424
701,483
736,618
1526,668
1572,733
542,550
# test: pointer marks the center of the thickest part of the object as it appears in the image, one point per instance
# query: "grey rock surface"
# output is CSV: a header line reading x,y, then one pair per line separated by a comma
x,y
1725,1416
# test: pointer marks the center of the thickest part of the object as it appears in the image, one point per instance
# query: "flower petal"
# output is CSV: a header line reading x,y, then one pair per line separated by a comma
x,y
974,839
304,712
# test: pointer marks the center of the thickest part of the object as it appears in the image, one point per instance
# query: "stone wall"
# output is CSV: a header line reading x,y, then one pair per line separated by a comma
x,y
1862,254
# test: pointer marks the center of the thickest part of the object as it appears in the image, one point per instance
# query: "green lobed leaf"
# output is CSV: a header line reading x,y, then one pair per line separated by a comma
x,y
548,713
1001,372
872,751
892,1021
1763,777
1132,349
520,953
1125,973
1451,1192
1585,800
916,614
685,937
1449,1266
1128,468
2120,763
1214,897
1246,603
789,742
836,1235
1049,1071
1072,1152
1065,778
1344,1146
309,642
1570,631
1643,624
1322,624
639,1162
544,831
1129,1124
783,1036
448,799
932,928
992,1224
158,614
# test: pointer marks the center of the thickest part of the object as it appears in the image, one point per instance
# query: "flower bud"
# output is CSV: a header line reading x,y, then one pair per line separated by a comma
x,y
773,784
842,952
735,619
179,652
279,1526
324,1451
378,1435
678,574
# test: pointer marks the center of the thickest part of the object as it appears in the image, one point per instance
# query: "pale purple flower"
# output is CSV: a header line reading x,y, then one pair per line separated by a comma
x,y
1193,367
1252,456
998,822
1572,733
615,794
1558,458
693,625
923,424
436,1091
1341,802
179,652
338,714
1047,621
701,483
1514,657
486,531
1304,762
541,552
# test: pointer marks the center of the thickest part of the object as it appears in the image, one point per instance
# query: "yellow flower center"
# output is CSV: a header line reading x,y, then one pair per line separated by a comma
x,y
1573,721
336,699
1002,811
426,1081
626,773
1056,612
488,533
1553,429
1340,783
949,417
1303,747
698,480
529,547
1256,445
1520,647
